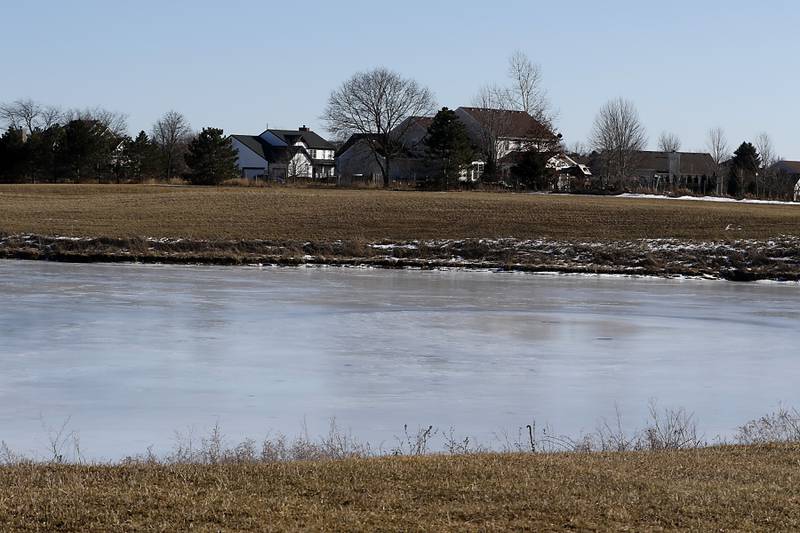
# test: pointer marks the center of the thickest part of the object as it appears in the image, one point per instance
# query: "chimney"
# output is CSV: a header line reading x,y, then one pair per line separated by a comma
x,y
304,128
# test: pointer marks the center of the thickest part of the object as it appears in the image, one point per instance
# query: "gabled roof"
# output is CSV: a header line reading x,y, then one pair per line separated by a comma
x,y
355,139
789,167
515,124
272,154
417,121
255,144
311,139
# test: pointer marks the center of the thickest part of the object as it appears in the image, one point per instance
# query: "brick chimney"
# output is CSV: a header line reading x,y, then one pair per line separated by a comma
x,y
304,128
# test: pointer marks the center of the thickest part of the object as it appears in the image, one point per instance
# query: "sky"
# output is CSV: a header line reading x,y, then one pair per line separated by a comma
x,y
242,65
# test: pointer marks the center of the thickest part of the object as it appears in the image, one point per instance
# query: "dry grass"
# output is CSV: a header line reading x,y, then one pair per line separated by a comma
x,y
720,489
325,214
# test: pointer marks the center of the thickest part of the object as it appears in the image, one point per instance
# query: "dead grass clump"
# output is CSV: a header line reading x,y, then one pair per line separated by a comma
x,y
243,182
666,429
355,248
781,426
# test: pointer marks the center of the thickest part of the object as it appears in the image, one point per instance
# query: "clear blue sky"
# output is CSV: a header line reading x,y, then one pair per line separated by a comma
x,y
688,66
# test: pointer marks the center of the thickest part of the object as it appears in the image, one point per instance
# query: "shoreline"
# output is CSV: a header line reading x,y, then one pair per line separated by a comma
x,y
721,488
735,260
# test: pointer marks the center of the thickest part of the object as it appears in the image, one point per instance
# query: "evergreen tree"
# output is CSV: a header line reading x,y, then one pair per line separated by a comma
x,y
85,149
448,145
42,145
744,166
142,157
211,158
14,156
530,170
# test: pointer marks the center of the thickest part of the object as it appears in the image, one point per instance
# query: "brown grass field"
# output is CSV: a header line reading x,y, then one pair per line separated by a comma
x,y
711,489
330,214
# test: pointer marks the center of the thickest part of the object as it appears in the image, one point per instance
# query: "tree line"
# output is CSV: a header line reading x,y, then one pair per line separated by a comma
x,y
44,144
618,135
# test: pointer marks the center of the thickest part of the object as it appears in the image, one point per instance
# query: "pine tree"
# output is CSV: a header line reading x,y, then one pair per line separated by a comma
x,y
142,157
85,149
448,144
211,158
744,167
530,171
14,156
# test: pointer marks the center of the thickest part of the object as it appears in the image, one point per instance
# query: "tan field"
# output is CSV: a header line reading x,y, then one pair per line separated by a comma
x,y
712,489
331,214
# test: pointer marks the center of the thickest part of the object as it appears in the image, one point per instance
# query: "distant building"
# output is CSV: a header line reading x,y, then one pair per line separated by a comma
x,y
674,170
509,132
356,160
502,134
789,171
281,154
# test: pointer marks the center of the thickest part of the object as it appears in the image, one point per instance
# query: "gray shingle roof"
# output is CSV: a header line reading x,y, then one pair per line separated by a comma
x,y
790,167
272,154
311,139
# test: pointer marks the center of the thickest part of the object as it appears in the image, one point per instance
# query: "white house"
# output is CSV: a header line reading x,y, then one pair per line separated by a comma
x,y
281,154
797,192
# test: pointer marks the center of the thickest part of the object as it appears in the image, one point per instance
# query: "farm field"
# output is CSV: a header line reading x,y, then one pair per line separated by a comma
x,y
725,488
328,214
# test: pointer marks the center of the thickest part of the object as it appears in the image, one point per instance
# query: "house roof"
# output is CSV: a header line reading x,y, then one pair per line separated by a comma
x,y
516,124
254,143
789,167
355,139
691,163
311,139
272,154
423,122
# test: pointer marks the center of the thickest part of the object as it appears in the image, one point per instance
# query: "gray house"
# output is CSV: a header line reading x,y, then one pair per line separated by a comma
x,y
281,154
356,161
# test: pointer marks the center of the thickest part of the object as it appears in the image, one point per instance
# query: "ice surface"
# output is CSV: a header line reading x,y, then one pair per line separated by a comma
x,y
133,353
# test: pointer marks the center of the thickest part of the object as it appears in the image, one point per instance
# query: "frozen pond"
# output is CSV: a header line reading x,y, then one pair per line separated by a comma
x,y
133,353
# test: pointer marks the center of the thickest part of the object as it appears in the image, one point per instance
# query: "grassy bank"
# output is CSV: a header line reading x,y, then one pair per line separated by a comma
x,y
292,226
722,489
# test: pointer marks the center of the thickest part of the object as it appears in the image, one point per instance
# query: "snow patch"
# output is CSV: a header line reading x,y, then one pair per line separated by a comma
x,y
706,199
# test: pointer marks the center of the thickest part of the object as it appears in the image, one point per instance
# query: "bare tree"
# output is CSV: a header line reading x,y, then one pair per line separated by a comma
x,y
297,166
766,150
618,134
527,92
669,142
50,116
494,124
114,122
717,145
377,104
29,115
578,148
171,134
22,114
